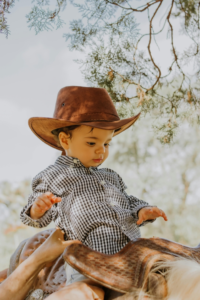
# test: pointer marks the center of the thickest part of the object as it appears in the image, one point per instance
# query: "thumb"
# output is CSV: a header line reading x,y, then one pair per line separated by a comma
x,y
140,220
70,242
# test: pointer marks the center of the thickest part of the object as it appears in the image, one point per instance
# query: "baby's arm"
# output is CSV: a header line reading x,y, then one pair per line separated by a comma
x,y
43,203
35,213
142,212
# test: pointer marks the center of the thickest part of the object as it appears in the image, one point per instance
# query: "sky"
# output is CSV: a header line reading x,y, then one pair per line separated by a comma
x,y
33,68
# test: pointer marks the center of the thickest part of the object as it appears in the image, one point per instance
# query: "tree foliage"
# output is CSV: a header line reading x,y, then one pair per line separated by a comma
x,y
5,5
109,33
131,75
41,18
164,176
12,198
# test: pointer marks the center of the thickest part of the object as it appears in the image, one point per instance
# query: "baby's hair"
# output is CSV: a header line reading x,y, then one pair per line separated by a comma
x,y
68,130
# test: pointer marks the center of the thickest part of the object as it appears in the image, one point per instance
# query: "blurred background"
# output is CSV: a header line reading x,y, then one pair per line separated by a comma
x,y
152,70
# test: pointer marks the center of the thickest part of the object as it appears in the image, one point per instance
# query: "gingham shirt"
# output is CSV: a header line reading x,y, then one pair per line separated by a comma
x,y
95,208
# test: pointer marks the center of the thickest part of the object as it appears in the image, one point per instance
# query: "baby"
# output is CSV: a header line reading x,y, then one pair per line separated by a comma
x,y
88,203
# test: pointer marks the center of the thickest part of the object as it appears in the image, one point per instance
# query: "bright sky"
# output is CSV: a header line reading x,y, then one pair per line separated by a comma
x,y
32,70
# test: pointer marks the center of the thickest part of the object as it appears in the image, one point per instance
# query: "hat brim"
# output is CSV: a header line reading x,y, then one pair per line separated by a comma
x,y
43,127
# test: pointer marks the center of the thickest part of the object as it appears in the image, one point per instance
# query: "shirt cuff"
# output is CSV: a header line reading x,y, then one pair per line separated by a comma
x,y
147,222
44,221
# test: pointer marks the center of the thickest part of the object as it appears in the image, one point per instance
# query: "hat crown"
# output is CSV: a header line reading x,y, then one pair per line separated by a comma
x,y
84,104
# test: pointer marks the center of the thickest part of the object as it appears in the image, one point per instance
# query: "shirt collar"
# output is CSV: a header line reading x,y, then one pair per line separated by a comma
x,y
71,162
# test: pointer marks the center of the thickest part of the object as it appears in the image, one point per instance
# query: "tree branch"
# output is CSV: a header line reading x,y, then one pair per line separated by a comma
x,y
125,79
154,33
172,42
149,44
135,9
135,83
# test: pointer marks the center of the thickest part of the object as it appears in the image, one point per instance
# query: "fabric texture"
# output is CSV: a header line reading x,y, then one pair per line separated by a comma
x,y
95,208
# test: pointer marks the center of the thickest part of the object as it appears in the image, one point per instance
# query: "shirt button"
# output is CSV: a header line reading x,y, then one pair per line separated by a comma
x,y
102,182
75,161
71,166
112,203
123,227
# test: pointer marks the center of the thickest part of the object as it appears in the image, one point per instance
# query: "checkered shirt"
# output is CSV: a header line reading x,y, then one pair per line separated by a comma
x,y
95,208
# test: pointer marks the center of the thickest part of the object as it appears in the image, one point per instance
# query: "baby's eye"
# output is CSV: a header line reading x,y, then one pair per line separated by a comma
x,y
107,145
91,144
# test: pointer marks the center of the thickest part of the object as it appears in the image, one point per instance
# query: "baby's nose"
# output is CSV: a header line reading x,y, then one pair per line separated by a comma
x,y
101,149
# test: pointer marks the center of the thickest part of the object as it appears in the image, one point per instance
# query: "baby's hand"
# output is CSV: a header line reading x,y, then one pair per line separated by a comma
x,y
149,213
43,203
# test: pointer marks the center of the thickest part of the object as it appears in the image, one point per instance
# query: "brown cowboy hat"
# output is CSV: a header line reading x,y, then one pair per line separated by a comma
x,y
77,105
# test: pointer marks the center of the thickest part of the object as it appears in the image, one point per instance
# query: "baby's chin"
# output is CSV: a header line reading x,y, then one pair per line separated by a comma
x,y
93,164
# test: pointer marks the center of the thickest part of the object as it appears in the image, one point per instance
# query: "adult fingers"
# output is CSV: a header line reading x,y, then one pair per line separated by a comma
x,y
67,243
58,228
61,232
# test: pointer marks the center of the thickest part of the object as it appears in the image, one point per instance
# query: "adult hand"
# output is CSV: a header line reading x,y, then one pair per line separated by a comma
x,y
43,203
54,246
149,213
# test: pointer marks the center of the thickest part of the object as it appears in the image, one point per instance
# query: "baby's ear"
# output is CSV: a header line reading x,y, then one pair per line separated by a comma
x,y
62,136
63,139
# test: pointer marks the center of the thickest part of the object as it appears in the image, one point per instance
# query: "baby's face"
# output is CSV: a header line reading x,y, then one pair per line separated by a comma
x,y
91,148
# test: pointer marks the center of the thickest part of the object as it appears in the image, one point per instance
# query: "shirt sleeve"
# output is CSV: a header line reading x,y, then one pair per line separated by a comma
x,y
135,206
39,186
134,203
